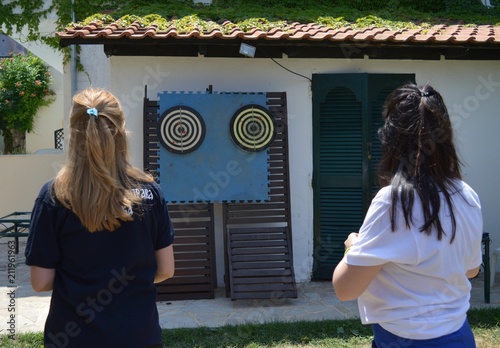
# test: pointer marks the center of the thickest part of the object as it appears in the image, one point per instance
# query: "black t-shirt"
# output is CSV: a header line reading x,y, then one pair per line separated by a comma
x,y
103,294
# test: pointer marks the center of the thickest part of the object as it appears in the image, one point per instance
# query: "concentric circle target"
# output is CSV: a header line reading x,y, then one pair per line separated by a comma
x,y
181,130
253,128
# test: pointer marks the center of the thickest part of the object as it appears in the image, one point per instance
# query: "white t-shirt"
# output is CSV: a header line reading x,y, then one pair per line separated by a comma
x,y
422,291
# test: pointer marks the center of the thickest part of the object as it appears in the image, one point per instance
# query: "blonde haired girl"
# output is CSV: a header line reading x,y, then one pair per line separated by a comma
x,y
100,236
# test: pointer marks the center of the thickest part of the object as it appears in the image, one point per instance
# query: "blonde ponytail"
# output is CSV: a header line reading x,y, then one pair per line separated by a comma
x,y
97,181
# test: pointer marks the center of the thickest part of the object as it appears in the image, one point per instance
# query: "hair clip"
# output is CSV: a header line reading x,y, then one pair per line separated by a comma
x,y
424,94
92,112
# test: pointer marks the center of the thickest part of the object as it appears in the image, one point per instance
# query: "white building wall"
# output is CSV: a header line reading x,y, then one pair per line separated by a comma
x,y
96,68
49,118
470,89
22,177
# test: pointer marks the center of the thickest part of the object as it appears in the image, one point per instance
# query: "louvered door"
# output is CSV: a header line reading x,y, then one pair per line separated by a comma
x,y
346,116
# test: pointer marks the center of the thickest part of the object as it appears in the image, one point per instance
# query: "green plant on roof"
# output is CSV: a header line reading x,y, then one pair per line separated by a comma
x,y
374,21
127,20
260,23
249,14
157,20
331,22
98,18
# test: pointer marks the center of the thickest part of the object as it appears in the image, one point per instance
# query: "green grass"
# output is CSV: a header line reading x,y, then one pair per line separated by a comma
x,y
329,333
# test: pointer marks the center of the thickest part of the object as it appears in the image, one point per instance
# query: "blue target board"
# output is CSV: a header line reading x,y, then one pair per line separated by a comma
x,y
213,146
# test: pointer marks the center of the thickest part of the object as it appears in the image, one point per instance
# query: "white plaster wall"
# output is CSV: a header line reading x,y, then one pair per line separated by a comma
x,y
96,68
95,73
49,118
22,177
459,82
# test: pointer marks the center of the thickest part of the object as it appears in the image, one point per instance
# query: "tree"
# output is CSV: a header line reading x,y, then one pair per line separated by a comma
x,y
24,88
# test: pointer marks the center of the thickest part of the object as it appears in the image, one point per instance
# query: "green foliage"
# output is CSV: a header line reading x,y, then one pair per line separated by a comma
x,y
261,23
162,13
404,13
335,23
19,14
422,5
375,21
189,23
464,6
365,5
25,340
24,88
186,14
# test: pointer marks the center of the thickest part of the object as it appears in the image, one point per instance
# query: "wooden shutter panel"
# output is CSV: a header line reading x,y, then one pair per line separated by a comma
x,y
341,170
346,116
338,177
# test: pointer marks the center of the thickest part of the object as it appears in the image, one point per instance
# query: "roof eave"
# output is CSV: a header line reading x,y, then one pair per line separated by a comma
x,y
351,49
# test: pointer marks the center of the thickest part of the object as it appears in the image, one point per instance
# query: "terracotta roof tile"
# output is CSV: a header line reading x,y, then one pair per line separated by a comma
x,y
277,34
212,33
344,36
321,36
424,38
360,36
437,34
464,38
442,38
385,36
233,35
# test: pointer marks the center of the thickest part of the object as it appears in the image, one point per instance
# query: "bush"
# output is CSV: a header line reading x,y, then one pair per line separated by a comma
x,y
24,88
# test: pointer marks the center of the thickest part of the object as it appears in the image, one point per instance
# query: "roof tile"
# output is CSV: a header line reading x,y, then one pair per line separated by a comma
x,y
343,36
450,34
386,36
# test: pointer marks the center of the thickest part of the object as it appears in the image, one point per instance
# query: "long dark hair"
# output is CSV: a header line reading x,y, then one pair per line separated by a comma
x,y
418,154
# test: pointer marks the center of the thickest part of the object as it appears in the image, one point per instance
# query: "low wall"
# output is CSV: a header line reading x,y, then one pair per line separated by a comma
x,y
22,176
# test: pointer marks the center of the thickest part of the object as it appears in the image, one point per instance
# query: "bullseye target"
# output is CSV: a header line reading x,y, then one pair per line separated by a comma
x,y
253,128
181,130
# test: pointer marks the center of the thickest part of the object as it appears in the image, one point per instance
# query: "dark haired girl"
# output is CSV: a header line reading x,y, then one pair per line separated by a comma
x,y
421,238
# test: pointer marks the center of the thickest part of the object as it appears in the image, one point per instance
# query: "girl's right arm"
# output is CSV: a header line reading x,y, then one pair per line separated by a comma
x,y
166,264
472,272
42,279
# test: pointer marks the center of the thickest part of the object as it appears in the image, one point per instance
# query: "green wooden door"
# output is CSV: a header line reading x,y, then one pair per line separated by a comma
x,y
346,116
